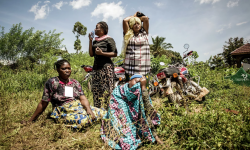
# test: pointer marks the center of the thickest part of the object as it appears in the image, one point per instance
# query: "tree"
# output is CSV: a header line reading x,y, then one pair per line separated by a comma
x,y
194,56
231,45
176,57
80,30
28,45
159,47
216,61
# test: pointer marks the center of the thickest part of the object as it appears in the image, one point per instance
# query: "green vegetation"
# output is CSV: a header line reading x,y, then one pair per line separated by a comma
x,y
80,30
222,121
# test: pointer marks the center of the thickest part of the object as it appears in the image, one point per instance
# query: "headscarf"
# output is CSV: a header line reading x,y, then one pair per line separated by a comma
x,y
130,33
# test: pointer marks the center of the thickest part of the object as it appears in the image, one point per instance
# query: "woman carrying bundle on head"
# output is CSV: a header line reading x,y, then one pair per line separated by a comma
x,y
102,48
67,98
136,46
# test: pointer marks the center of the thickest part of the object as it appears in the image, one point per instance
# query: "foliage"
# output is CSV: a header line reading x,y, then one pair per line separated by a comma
x,y
155,63
176,57
27,46
80,30
231,45
159,47
217,61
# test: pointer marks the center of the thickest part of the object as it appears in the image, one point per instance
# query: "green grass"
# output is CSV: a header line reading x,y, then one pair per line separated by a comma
x,y
205,126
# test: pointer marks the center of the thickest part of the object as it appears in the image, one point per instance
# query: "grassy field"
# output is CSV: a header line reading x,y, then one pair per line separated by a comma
x,y
219,122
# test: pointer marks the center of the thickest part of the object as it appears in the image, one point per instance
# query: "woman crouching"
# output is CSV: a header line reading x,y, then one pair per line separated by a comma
x,y
131,118
67,98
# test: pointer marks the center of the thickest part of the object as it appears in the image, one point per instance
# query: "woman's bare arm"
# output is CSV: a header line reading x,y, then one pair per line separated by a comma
x,y
85,103
125,23
90,46
39,110
145,21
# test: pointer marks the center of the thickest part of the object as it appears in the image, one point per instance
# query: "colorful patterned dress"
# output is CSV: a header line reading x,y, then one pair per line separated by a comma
x,y
68,109
126,125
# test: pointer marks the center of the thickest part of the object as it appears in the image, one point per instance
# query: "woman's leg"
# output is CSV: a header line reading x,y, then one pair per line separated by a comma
x,y
96,88
108,84
103,84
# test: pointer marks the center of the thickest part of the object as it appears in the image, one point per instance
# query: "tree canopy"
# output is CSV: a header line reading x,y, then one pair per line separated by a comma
x,y
80,30
231,45
28,44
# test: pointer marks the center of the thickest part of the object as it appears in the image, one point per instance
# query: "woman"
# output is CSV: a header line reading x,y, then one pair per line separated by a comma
x,y
131,117
136,45
103,48
67,98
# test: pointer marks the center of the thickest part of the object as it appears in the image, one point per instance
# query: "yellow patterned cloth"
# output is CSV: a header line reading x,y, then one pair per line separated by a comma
x,y
75,116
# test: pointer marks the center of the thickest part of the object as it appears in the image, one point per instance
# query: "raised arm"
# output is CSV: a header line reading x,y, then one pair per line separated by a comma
x,y
145,21
90,46
125,23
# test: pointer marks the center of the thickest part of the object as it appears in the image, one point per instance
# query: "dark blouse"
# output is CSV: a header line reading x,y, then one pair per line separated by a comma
x,y
54,91
106,45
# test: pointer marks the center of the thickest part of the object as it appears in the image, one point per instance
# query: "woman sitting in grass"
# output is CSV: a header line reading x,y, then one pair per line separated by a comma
x,y
67,98
131,118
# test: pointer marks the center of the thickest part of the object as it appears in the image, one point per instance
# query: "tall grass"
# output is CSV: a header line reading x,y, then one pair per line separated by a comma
x,y
207,125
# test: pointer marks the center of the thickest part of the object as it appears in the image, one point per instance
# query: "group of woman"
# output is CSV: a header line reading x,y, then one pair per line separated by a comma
x,y
127,113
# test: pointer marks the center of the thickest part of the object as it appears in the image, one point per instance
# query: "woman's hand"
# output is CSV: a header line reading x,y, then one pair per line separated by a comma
x,y
143,83
98,51
90,112
90,38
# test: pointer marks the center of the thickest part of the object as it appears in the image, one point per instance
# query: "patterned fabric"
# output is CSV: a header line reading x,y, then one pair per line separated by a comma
x,y
54,91
73,114
102,86
125,125
137,60
102,38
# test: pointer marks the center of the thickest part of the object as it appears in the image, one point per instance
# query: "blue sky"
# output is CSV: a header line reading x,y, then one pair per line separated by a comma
x,y
204,24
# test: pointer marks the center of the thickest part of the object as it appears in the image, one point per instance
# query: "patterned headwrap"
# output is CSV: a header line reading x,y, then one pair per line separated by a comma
x,y
130,32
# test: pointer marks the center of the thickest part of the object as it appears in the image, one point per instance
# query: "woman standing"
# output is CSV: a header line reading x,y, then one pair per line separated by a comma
x,y
103,48
136,46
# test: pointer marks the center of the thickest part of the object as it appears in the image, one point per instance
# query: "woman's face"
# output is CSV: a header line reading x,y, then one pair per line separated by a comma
x,y
98,30
64,71
136,27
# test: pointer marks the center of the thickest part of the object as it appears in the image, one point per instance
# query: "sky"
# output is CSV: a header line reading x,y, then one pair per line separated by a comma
x,y
203,24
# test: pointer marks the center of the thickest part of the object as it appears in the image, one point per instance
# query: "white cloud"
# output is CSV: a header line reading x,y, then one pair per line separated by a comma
x,y
46,2
207,1
241,23
40,12
232,3
227,26
206,54
77,4
220,30
59,4
158,4
109,10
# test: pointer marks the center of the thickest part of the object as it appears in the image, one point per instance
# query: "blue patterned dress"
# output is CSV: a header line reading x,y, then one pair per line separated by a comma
x,y
126,125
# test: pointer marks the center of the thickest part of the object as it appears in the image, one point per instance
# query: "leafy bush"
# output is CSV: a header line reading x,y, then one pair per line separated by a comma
x,y
155,63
